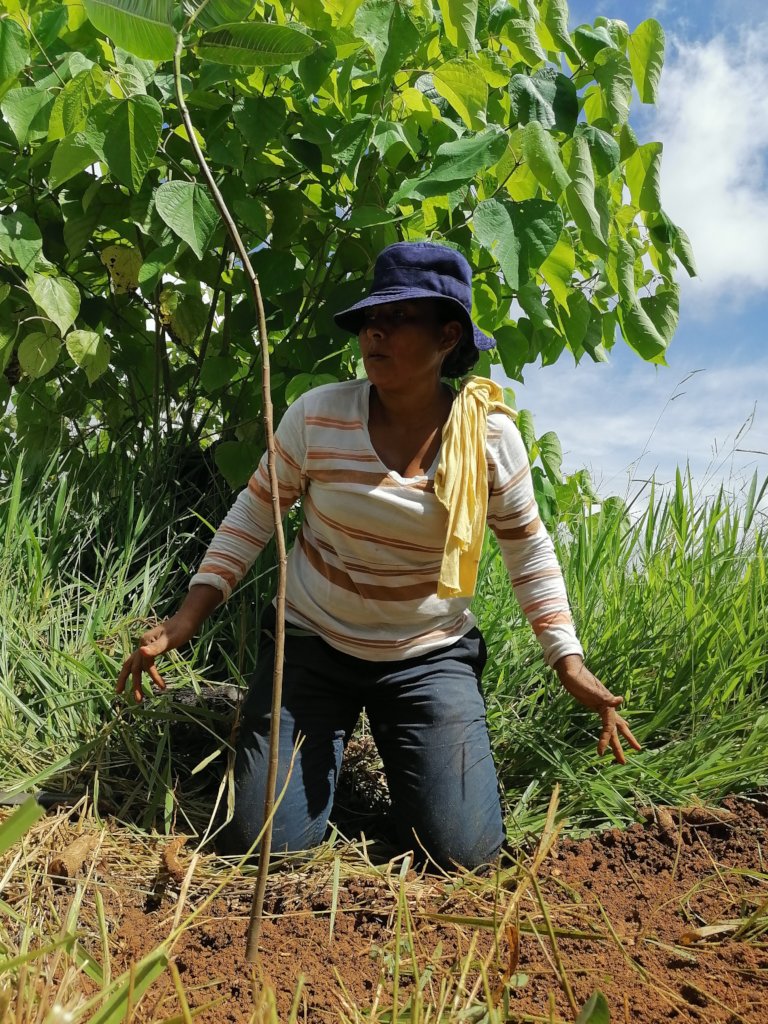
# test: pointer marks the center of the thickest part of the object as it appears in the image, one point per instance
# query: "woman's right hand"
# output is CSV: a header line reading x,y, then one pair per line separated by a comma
x,y
166,636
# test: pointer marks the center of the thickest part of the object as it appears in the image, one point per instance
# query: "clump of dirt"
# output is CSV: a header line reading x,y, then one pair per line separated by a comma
x,y
668,919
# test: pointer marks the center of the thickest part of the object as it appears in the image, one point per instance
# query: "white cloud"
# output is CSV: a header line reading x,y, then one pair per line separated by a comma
x,y
626,421
710,117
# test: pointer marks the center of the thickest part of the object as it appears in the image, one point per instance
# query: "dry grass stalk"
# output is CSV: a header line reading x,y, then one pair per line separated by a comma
x,y
70,861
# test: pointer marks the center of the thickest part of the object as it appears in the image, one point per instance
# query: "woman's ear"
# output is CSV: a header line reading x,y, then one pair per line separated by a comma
x,y
450,336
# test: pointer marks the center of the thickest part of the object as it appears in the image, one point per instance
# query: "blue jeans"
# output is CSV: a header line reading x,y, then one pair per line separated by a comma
x,y
427,717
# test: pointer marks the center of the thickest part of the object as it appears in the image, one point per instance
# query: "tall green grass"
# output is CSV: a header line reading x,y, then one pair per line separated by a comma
x,y
672,609
85,566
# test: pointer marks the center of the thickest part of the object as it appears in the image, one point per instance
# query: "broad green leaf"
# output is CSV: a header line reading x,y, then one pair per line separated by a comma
x,y
532,302
123,263
455,164
640,332
493,69
527,429
495,232
595,1010
460,22
554,18
217,371
614,75
580,195
79,227
20,240
237,461
646,57
73,103
26,110
155,265
7,341
188,211
590,41
38,353
466,90
643,170
126,991
14,50
603,148
575,317
89,351
389,32
538,224
551,455
260,119
22,819
547,97
627,141
315,14
618,31
370,216
255,44
317,66
391,141
219,12
57,297
188,319
557,269
625,269
131,140
72,155
521,39
542,155
142,27
663,309
513,348
684,252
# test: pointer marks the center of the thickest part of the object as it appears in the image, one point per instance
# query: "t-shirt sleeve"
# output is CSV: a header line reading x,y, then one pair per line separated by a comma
x,y
526,547
249,524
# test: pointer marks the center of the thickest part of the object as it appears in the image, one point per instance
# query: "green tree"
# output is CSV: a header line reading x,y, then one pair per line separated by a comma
x,y
333,127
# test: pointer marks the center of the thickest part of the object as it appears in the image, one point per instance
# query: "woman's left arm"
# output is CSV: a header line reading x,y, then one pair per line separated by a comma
x,y
587,689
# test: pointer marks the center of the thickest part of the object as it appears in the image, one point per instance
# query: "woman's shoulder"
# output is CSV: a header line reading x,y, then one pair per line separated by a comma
x,y
340,400
503,441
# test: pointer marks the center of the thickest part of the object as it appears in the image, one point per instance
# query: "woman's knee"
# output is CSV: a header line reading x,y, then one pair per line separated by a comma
x,y
291,832
452,845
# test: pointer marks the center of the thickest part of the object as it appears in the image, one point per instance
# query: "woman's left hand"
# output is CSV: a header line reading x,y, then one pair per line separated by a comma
x,y
587,689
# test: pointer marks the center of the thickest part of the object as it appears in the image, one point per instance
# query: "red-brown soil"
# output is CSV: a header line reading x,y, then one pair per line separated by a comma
x,y
622,912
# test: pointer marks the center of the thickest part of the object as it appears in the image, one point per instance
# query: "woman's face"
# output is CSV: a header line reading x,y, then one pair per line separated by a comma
x,y
403,343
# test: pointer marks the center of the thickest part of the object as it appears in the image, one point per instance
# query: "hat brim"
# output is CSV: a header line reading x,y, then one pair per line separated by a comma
x,y
352,319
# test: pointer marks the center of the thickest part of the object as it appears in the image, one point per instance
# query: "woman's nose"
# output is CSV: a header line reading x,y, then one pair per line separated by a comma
x,y
375,329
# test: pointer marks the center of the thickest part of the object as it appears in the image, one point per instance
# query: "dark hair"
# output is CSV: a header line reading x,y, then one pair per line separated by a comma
x,y
463,357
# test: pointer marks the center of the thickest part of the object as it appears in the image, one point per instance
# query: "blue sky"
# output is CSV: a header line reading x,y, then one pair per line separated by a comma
x,y
709,407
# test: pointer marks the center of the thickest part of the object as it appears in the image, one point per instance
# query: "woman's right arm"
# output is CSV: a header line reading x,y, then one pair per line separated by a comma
x,y
245,530
198,604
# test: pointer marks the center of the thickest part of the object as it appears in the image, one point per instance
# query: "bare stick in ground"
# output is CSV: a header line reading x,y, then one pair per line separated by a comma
x,y
257,909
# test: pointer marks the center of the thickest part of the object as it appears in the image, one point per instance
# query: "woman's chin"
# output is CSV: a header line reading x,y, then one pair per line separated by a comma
x,y
378,371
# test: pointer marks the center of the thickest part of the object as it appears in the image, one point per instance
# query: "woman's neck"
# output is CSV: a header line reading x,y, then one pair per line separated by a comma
x,y
412,409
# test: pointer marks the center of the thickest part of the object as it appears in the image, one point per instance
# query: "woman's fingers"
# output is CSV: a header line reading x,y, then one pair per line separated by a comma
x,y
134,667
155,676
614,729
626,732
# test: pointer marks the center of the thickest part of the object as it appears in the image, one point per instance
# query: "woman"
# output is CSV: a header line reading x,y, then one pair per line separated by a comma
x,y
398,475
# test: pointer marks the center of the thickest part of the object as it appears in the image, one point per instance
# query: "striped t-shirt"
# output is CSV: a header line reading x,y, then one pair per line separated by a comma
x,y
363,571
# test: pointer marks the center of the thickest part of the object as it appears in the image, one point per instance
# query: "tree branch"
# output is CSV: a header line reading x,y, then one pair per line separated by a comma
x,y
257,909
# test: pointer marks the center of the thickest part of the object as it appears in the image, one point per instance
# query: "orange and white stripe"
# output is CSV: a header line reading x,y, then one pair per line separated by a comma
x,y
363,571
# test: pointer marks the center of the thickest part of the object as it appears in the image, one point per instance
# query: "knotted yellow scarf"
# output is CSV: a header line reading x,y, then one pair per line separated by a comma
x,y
461,483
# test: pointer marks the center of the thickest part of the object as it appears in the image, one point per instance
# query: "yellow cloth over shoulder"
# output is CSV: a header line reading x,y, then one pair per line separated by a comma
x,y
461,483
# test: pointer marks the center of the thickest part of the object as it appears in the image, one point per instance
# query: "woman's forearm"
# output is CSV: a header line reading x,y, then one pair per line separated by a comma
x,y
200,601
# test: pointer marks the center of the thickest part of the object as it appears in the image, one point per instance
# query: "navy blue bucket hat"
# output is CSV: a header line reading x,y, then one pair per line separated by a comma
x,y
419,270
